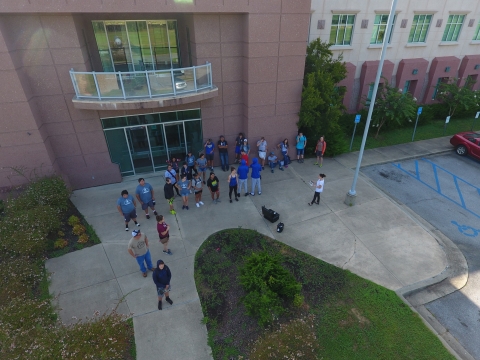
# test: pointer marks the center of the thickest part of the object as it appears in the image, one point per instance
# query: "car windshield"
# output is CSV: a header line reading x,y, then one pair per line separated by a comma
x,y
471,136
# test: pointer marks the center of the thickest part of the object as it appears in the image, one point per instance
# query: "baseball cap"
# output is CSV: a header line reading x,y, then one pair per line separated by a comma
x,y
244,139
135,232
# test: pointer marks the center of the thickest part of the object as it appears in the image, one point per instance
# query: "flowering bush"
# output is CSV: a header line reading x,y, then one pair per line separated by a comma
x,y
60,243
82,239
79,229
73,220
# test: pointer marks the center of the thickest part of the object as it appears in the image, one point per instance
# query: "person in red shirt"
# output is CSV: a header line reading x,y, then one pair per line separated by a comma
x,y
244,156
163,233
320,150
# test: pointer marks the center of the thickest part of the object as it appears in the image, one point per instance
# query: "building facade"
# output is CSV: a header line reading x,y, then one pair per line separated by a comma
x,y
431,42
97,90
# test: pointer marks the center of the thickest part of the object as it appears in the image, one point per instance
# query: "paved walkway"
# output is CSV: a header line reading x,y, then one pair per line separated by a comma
x,y
376,239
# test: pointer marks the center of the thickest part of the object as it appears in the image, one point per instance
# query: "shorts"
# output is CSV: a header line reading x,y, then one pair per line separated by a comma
x,y
238,149
202,169
131,215
300,151
164,240
262,154
185,192
209,156
146,205
319,153
198,192
170,201
215,191
162,290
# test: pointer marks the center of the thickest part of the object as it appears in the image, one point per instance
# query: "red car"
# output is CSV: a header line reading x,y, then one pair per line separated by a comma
x,y
467,143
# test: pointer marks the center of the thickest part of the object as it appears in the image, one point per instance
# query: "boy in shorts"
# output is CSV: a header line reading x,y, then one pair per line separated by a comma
x,y
163,233
126,207
209,148
169,194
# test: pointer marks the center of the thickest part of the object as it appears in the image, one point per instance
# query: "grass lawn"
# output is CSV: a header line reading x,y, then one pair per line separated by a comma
x,y
403,135
343,316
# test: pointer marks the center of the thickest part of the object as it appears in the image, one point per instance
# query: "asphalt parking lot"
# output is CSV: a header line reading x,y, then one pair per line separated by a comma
x,y
445,191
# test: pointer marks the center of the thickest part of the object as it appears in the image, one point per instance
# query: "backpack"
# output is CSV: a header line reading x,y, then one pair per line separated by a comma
x,y
280,227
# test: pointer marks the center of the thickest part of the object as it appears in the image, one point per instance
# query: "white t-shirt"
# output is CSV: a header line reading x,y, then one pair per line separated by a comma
x,y
319,183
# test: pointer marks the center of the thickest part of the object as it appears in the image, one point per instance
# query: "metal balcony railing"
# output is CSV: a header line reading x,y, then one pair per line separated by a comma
x,y
141,84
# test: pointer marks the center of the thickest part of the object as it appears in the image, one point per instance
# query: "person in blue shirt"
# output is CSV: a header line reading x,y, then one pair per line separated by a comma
x,y
243,176
209,148
145,195
126,207
184,186
256,169
301,145
273,161
190,160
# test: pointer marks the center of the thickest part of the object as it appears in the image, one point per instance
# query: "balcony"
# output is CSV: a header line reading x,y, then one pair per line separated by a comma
x,y
142,89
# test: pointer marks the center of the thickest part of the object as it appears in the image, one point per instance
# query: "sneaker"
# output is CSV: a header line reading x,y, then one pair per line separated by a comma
x,y
155,212
201,203
320,165
160,305
286,166
263,167
315,163
218,200
259,193
145,274
214,201
137,224
252,194
173,212
183,207
186,207
152,269
298,161
148,216
169,252
271,171
246,194
126,228
281,169
238,194
236,199
204,182
230,201
197,204
169,300
309,204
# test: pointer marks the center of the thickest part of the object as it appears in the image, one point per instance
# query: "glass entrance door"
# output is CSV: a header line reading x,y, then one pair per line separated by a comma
x,y
139,149
175,139
158,146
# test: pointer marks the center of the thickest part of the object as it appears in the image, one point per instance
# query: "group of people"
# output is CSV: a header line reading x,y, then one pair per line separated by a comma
x,y
190,178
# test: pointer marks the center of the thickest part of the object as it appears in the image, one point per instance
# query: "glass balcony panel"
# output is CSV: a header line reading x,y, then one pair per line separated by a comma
x,y
203,77
135,84
160,82
184,80
109,85
86,85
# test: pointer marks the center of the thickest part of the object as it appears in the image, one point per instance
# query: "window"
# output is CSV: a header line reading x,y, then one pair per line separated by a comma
x,y
342,29
454,25
420,25
370,94
406,87
435,91
476,36
380,28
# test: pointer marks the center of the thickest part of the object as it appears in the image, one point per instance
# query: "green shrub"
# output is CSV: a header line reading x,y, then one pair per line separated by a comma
x,y
82,239
78,229
60,243
73,220
266,283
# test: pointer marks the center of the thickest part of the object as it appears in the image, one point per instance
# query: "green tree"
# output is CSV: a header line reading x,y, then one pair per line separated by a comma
x,y
391,106
322,99
456,97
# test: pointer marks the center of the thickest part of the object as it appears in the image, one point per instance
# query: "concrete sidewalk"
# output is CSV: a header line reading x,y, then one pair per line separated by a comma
x,y
376,239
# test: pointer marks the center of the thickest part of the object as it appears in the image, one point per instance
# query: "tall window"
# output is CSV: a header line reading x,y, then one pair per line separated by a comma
x,y
406,87
342,29
454,25
420,25
437,86
137,45
380,29
476,36
370,94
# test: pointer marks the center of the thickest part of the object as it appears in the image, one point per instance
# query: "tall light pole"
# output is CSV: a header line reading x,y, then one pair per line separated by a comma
x,y
351,195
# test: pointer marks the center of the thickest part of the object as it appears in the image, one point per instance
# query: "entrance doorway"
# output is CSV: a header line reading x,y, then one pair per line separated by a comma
x,y
139,149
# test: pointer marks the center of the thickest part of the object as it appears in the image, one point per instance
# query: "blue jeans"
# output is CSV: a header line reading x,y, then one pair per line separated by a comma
x,y
224,160
273,165
144,258
256,182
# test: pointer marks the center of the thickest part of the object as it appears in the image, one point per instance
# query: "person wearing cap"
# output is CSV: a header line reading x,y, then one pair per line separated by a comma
x,y
273,161
262,150
245,147
161,277
238,147
146,197
209,148
138,248
126,207
214,186
223,152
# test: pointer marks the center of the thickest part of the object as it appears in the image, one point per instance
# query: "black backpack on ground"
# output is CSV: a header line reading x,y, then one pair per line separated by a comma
x,y
270,215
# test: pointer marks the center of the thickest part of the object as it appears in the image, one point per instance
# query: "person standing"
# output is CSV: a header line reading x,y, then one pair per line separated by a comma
x,y
126,207
214,186
284,149
197,187
184,186
232,184
301,144
163,233
175,166
245,147
186,171
190,160
262,151
202,166
318,190
169,194
145,195
320,150
243,170
161,277
238,147
256,169
223,151
209,148
172,175
138,248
